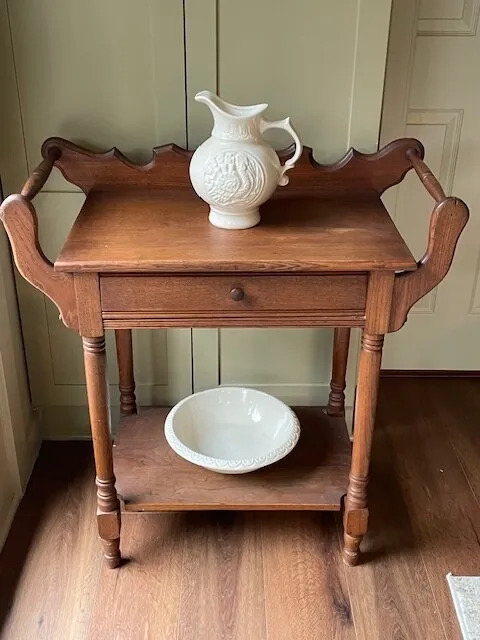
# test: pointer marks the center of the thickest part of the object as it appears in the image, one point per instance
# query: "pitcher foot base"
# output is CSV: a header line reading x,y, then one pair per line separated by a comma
x,y
229,220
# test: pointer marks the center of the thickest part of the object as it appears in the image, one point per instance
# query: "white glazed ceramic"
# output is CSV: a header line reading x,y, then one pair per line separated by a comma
x,y
232,429
236,170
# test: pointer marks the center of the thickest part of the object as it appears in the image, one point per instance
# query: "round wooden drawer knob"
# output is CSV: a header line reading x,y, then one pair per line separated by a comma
x,y
237,294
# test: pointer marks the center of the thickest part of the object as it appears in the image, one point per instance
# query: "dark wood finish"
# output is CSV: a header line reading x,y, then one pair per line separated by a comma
x,y
108,507
447,222
382,604
199,294
151,477
336,399
126,378
156,320
141,254
437,478
39,176
227,588
149,231
261,575
377,317
427,178
168,168
356,171
20,221
87,295
306,595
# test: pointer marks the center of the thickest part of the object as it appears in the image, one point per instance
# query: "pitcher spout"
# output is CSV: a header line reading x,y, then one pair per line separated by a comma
x,y
217,105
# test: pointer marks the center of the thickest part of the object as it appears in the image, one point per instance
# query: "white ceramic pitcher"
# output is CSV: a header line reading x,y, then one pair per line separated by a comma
x,y
236,170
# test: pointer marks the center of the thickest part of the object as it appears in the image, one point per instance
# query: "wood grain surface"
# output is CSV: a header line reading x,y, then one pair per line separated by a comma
x,y
152,477
447,222
214,293
257,575
243,319
168,231
168,168
336,398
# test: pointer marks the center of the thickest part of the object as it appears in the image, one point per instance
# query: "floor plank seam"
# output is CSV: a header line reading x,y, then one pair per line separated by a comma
x,y
182,569
438,610
457,455
262,540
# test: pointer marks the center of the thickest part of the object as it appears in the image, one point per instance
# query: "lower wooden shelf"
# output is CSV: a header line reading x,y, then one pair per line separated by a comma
x,y
151,477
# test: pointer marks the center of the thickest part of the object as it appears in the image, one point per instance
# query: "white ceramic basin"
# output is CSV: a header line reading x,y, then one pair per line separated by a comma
x,y
232,429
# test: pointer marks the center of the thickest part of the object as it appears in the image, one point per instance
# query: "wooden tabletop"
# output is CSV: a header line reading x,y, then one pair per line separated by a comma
x,y
135,230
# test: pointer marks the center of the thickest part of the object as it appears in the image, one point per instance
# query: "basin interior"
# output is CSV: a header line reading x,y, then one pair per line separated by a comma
x,y
233,423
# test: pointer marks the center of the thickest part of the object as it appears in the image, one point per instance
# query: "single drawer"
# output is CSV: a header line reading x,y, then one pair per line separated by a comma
x,y
232,293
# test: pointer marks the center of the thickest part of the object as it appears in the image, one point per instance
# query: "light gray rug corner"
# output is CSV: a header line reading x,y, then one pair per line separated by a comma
x,y
465,592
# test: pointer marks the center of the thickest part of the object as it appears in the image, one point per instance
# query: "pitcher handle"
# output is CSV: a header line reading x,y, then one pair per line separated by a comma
x,y
289,164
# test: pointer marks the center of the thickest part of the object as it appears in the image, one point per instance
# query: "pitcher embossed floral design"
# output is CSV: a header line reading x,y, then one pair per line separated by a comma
x,y
236,170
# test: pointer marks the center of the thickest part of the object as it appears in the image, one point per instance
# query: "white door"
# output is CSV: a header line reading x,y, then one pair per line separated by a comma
x,y
100,73
432,92
322,63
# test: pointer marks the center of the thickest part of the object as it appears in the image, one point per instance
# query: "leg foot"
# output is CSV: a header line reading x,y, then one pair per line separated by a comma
x,y
351,550
109,521
111,553
355,525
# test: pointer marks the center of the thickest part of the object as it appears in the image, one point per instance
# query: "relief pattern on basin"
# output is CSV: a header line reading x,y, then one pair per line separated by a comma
x,y
232,429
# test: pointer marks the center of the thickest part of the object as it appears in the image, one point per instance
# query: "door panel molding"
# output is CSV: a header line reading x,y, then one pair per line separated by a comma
x,y
475,301
465,24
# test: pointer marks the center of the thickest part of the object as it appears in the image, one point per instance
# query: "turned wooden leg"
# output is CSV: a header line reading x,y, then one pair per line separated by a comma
x,y
126,380
355,519
336,399
108,507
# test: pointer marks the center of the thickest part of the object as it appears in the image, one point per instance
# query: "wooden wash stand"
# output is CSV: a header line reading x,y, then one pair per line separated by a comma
x,y
141,254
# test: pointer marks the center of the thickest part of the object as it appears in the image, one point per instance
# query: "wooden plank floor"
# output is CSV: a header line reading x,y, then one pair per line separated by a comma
x,y
256,576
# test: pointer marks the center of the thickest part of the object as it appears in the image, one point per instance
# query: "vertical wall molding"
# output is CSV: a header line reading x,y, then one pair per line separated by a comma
x,y
201,51
451,120
201,38
373,19
475,300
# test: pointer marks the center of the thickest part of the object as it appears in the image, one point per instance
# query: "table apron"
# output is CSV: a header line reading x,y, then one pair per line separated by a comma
x,y
142,320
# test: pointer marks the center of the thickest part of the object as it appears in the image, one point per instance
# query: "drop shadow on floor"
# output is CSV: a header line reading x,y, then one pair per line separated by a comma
x,y
390,530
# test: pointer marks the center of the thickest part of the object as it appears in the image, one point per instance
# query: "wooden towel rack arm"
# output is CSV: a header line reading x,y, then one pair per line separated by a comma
x,y
20,220
447,222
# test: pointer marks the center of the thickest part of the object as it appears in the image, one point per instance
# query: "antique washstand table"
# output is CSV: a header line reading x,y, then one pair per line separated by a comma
x,y
141,254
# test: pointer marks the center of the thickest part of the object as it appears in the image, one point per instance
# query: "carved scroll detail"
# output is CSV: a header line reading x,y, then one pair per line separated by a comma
x,y
20,220
111,169
169,168
355,171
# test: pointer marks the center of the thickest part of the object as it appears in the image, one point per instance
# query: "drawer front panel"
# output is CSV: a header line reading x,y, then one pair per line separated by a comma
x,y
233,294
